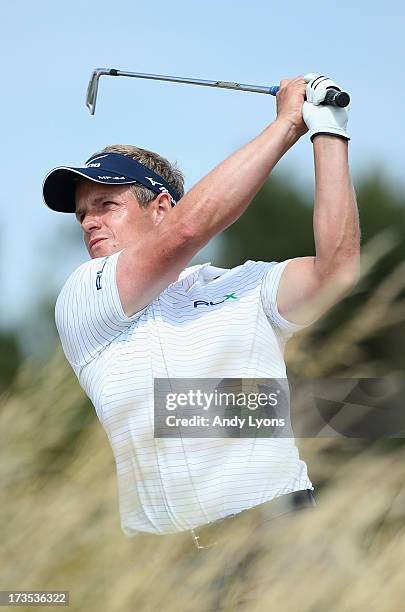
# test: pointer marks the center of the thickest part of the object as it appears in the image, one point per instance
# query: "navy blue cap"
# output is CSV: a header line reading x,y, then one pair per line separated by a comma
x,y
109,168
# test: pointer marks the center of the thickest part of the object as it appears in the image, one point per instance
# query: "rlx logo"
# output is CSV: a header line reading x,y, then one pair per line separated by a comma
x,y
229,296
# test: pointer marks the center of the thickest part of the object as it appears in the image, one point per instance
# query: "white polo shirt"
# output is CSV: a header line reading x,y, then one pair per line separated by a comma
x,y
169,485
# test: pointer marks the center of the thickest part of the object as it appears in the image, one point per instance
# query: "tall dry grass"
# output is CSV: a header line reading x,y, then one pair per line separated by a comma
x,y
59,521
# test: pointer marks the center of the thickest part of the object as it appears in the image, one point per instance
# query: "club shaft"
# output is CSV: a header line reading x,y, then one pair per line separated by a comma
x,y
203,82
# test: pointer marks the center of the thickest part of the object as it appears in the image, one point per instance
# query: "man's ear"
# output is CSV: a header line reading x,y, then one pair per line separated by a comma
x,y
162,204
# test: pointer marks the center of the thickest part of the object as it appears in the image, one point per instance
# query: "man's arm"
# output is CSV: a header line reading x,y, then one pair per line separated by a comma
x,y
213,204
309,286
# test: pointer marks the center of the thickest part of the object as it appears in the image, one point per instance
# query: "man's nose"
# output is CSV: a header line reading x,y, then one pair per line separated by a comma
x,y
91,222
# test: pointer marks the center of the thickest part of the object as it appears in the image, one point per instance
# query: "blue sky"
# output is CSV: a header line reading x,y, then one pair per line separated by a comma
x,y
49,49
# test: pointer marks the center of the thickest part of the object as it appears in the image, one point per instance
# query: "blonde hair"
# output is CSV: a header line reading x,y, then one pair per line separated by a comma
x,y
170,172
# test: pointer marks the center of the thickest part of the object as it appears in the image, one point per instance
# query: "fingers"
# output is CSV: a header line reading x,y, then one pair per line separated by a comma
x,y
311,75
317,86
297,79
290,98
296,84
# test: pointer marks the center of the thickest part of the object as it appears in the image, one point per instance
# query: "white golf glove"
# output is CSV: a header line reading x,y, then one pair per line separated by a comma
x,y
319,118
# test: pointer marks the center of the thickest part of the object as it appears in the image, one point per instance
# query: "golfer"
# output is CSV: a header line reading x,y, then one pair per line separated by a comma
x,y
135,312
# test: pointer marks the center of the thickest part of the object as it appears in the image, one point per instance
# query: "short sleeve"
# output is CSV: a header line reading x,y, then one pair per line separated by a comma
x,y
270,284
88,311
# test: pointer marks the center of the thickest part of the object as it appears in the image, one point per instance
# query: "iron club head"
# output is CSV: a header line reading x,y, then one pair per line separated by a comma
x,y
91,97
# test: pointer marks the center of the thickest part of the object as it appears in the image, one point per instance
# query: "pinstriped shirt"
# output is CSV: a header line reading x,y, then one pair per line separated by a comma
x,y
168,485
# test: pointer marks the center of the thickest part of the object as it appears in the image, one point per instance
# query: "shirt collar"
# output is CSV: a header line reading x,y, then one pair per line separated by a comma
x,y
193,270
188,276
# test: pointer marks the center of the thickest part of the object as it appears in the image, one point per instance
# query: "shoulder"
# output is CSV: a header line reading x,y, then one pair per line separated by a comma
x,y
86,269
86,279
88,310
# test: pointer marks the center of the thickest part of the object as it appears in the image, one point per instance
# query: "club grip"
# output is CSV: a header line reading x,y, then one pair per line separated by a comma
x,y
335,97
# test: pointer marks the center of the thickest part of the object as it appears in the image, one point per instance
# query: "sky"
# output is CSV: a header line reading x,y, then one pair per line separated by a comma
x,y
49,50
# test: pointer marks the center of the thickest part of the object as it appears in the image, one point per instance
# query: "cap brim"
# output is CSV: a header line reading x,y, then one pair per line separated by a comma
x,y
59,186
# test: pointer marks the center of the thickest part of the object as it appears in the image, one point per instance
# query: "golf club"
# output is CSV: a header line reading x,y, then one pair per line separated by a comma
x,y
333,97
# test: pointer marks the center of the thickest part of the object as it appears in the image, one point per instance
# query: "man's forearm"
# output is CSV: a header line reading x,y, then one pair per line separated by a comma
x,y
336,223
221,197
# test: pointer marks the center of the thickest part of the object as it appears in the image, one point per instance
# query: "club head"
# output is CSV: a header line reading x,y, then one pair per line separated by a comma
x,y
91,97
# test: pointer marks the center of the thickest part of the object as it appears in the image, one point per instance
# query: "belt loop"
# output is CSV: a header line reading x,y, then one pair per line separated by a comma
x,y
195,539
312,498
197,544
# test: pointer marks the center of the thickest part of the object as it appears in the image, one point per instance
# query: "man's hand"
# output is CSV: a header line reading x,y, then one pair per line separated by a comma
x,y
322,119
290,99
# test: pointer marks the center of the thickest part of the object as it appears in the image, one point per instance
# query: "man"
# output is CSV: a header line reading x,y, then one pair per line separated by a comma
x,y
135,313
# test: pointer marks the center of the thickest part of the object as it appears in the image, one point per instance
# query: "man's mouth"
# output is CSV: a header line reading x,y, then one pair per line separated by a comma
x,y
95,241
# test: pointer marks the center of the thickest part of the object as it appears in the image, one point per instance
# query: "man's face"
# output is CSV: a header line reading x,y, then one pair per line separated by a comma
x,y
111,217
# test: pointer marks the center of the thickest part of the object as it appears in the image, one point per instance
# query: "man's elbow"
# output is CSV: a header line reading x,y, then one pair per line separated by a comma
x,y
191,234
343,274
350,275
177,236
188,232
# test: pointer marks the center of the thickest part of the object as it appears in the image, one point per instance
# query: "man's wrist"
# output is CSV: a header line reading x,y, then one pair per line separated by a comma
x,y
330,149
323,139
337,136
288,130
